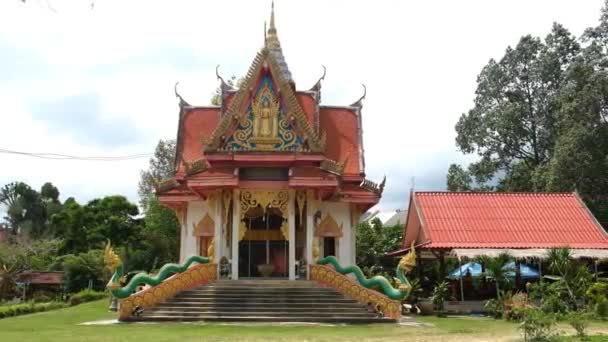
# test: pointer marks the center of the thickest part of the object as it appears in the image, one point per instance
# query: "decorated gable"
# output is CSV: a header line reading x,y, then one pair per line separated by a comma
x,y
265,125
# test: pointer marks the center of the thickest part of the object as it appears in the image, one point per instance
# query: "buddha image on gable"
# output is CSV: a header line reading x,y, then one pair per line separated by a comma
x,y
265,116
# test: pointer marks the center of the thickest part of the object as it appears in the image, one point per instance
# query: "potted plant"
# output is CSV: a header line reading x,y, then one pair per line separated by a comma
x,y
266,270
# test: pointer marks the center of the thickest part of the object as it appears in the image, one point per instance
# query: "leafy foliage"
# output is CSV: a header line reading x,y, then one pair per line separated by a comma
x,y
536,325
540,119
440,295
161,166
373,242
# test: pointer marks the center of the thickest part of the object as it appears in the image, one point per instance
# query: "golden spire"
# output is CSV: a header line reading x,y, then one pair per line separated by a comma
x,y
272,40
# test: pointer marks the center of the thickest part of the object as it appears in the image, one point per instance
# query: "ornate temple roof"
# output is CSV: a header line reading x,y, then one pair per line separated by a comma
x,y
299,132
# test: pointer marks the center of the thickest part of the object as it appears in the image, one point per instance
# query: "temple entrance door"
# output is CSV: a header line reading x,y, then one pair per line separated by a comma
x,y
263,251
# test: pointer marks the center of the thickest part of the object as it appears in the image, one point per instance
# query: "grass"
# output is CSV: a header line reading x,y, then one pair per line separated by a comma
x,y
64,325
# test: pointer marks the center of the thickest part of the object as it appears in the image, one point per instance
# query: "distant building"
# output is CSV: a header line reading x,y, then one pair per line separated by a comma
x,y
388,218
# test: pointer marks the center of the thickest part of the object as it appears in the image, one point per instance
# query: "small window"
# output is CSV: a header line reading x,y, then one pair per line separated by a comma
x,y
264,173
329,246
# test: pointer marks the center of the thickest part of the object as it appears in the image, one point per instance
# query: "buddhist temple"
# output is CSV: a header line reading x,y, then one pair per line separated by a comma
x,y
270,179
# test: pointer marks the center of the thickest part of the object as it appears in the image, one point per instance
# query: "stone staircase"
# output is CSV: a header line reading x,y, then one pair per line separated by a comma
x,y
262,301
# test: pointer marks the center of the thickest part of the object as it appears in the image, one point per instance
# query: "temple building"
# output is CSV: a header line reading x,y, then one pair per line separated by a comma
x,y
270,179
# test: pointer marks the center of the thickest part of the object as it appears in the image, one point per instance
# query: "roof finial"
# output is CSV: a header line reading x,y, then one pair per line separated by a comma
x,y
272,40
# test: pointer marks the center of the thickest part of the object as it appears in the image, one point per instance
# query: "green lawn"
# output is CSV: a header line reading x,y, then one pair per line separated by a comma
x,y
63,325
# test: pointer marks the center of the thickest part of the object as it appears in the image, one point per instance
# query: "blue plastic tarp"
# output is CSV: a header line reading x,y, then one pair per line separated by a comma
x,y
475,270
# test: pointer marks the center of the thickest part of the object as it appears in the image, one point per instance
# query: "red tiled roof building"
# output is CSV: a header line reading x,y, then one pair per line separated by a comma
x,y
522,223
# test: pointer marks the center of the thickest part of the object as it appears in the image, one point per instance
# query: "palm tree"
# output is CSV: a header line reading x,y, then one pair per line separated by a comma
x,y
496,269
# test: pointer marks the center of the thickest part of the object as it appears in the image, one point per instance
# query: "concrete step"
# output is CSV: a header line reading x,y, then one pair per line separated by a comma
x,y
259,305
261,313
268,300
273,319
259,295
254,308
286,300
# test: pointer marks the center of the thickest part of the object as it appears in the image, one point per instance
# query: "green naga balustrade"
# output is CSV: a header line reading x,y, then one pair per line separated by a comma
x,y
114,263
406,264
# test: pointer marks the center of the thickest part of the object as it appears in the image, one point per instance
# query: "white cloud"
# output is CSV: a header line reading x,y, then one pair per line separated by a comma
x,y
419,60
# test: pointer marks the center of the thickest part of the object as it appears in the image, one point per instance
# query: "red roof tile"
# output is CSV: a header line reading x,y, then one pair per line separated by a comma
x,y
503,220
341,124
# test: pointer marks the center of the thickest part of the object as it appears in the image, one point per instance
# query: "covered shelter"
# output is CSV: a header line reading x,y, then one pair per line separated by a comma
x,y
465,225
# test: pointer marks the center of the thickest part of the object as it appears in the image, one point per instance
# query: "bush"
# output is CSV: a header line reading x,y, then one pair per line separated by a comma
x,y
601,308
86,296
27,308
494,307
536,325
440,295
579,320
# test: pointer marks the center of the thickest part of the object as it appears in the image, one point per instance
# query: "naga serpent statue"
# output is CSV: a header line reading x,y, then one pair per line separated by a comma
x,y
115,265
406,264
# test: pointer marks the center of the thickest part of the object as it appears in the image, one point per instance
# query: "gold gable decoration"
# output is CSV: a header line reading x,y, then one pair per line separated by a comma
x,y
236,111
205,227
263,198
329,227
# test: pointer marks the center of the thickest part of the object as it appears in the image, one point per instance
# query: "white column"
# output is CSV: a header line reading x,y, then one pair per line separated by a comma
x,y
236,218
291,221
183,222
309,230
217,237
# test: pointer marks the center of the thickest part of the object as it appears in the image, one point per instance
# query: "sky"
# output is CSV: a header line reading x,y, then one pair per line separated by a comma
x,y
96,77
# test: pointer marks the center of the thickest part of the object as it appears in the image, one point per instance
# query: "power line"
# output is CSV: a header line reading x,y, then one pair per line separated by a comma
x,y
58,156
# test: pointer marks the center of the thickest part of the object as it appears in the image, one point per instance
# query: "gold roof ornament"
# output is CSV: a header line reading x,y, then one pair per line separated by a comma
x,y
204,227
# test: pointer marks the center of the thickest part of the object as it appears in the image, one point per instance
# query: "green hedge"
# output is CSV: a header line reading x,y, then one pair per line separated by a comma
x,y
27,308
86,296
32,307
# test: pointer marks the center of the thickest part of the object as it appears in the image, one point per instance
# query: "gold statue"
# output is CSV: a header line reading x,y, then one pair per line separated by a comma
x,y
265,117
211,249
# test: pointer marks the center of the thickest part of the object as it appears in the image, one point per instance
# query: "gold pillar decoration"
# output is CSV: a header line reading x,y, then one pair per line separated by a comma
x,y
263,198
180,214
226,198
211,249
300,201
316,251
285,229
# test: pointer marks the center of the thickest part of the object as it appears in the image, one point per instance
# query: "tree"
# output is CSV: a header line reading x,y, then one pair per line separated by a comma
x,y
374,241
496,269
540,119
161,166
458,179
512,124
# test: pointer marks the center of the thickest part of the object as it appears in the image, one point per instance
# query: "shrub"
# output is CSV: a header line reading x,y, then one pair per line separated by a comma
x,y
601,308
440,294
579,320
27,308
86,296
494,307
536,325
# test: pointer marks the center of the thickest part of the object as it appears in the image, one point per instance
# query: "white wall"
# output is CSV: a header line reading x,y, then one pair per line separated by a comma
x,y
341,213
196,211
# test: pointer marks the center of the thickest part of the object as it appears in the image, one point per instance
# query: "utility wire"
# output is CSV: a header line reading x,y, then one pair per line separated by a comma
x,y
58,156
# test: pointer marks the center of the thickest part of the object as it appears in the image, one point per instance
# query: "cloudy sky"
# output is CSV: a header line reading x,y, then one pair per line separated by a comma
x,y
98,80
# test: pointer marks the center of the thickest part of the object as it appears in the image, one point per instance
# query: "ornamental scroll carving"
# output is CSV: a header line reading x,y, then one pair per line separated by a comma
x,y
263,198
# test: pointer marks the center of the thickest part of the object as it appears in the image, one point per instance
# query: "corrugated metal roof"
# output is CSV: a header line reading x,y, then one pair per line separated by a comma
x,y
507,220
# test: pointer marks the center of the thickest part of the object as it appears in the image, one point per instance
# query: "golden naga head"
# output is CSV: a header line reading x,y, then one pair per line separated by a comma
x,y
111,259
408,261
